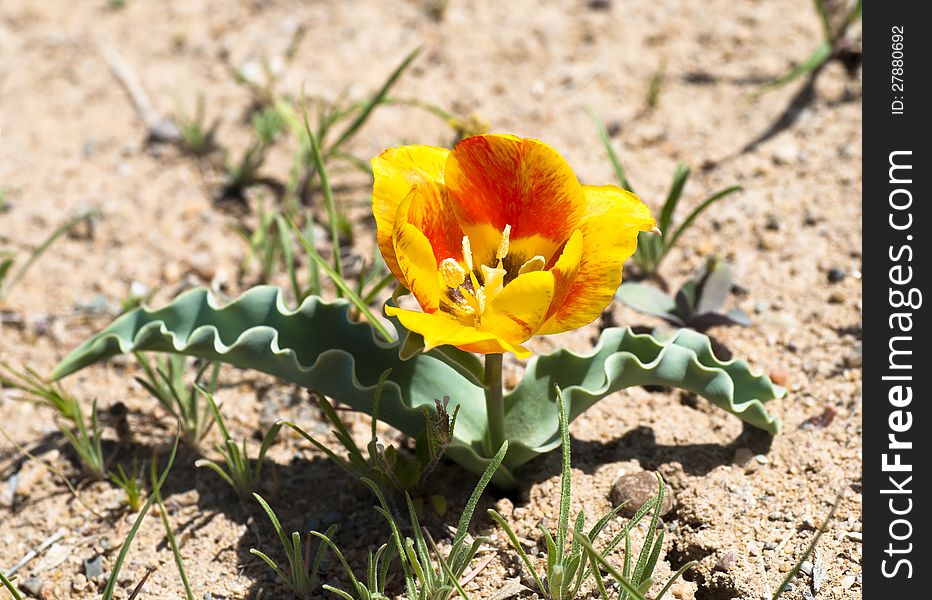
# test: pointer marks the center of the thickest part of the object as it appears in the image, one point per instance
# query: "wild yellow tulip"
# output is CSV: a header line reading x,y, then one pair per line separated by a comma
x,y
498,241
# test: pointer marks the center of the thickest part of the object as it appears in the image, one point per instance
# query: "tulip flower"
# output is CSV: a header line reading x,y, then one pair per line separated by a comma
x,y
498,241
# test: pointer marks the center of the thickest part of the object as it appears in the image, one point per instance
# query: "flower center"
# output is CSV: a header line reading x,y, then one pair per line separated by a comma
x,y
469,295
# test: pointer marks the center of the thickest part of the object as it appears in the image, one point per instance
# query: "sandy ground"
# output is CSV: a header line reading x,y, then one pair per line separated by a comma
x,y
746,506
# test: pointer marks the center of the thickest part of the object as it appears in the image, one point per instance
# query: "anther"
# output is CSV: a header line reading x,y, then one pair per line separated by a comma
x,y
467,253
453,274
535,264
503,244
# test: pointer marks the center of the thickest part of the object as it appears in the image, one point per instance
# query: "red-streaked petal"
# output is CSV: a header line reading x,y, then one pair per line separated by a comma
x,y
565,269
417,265
498,180
614,217
397,171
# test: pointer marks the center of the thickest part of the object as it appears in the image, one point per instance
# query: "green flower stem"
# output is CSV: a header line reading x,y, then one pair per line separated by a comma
x,y
494,402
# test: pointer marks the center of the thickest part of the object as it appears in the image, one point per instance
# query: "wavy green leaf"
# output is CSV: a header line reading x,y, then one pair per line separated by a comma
x,y
623,359
318,346
313,346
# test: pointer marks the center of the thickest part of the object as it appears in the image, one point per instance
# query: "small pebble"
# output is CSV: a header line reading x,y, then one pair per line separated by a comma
x,y
775,516
806,567
761,459
779,376
637,489
855,358
93,568
726,562
847,581
769,545
742,457
33,586
836,298
835,275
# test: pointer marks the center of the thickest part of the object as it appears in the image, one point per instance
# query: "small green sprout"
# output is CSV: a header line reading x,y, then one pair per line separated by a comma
x,y
33,385
567,570
697,305
429,575
130,484
241,473
86,442
9,279
166,383
651,248
833,45
197,137
388,466
376,577
303,564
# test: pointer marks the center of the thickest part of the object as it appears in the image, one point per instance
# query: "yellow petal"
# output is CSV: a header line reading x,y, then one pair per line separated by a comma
x,y
517,312
440,329
498,180
614,217
396,172
564,271
417,265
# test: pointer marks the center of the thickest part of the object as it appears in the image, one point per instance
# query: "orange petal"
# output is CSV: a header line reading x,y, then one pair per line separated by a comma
x,y
498,180
440,329
396,172
614,217
516,313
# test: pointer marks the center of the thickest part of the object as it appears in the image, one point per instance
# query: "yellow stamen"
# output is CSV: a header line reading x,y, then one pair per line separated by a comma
x,y
453,274
535,264
503,244
467,253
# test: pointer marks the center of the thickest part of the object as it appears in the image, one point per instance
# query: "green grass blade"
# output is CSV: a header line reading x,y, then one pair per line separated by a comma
x,y
680,177
274,519
271,564
699,210
318,158
676,576
176,551
466,517
44,246
610,151
445,566
645,553
809,549
819,57
622,581
342,285
366,111
124,549
209,464
509,532
566,474
10,587
338,592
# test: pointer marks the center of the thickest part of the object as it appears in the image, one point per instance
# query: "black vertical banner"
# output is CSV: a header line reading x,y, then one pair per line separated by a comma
x,y
897,416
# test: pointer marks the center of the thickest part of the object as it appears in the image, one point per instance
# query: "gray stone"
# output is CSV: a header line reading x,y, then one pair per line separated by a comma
x,y
636,489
